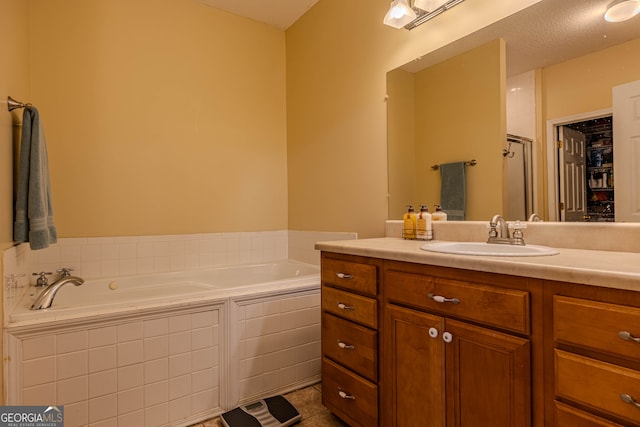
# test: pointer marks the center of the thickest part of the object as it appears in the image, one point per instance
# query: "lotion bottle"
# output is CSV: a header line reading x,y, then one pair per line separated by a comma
x,y
409,227
439,214
424,231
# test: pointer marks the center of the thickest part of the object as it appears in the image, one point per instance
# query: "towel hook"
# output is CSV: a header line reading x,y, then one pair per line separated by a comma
x,y
12,104
506,152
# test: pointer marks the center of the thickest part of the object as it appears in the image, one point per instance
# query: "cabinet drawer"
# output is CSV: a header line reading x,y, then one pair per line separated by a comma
x,y
596,325
350,397
597,384
566,416
490,305
351,345
350,306
350,275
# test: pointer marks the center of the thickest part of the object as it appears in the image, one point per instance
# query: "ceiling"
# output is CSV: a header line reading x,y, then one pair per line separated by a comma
x,y
546,33
277,13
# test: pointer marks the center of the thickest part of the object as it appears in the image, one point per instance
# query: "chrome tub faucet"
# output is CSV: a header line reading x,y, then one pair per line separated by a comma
x,y
45,299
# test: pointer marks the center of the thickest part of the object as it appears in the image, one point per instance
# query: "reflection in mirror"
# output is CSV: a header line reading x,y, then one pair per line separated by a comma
x,y
525,76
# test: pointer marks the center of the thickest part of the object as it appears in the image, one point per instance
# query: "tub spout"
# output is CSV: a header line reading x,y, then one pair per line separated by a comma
x,y
45,299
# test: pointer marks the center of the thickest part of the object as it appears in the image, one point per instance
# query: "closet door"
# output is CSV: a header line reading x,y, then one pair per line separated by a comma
x,y
573,178
626,151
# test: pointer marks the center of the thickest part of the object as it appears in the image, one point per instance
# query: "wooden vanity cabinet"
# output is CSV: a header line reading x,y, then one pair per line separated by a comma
x,y
457,348
350,363
594,367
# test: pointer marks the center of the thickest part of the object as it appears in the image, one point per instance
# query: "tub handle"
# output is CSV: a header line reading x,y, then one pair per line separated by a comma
x,y
345,276
343,306
346,346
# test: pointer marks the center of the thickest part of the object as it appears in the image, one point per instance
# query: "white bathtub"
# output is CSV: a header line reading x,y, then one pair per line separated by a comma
x,y
99,297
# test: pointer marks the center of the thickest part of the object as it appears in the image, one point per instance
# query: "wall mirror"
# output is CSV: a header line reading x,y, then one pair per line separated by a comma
x,y
454,104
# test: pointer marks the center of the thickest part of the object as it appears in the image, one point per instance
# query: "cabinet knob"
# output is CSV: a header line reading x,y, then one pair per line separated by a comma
x,y
343,306
447,337
346,346
626,398
433,332
344,275
440,298
628,337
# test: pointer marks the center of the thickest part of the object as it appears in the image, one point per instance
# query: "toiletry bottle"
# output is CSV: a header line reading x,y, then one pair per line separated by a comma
x,y
439,214
424,230
409,227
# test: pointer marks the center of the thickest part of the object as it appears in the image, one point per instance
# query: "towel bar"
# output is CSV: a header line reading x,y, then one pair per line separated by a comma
x,y
471,162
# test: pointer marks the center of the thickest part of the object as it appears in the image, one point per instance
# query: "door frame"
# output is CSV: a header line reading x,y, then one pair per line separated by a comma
x,y
553,174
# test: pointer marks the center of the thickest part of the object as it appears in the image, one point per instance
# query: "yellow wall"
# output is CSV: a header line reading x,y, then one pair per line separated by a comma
x,y
338,55
162,117
460,116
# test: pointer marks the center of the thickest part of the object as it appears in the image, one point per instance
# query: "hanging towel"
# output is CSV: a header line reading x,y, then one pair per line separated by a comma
x,y
452,192
34,211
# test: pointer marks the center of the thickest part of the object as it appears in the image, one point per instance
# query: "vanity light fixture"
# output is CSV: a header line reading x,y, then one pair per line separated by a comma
x,y
622,11
402,14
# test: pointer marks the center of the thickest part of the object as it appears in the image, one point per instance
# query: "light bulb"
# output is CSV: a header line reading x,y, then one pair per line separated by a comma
x,y
399,14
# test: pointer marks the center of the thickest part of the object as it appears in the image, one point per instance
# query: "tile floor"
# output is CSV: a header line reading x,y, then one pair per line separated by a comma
x,y
308,401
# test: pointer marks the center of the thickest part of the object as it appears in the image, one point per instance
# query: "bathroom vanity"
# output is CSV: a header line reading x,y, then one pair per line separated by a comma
x,y
418,338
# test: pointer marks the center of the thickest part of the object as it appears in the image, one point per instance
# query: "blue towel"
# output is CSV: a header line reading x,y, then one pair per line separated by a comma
x,y
452,191
34,210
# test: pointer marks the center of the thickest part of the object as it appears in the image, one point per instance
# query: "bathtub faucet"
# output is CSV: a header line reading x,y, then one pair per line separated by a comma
x,y
45,299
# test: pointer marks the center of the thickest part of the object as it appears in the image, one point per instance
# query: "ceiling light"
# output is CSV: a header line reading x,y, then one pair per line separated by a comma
x,y
622,11
399,14
429,5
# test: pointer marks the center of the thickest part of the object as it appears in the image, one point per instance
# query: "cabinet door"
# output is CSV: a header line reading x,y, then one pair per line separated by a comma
x,y
413,369
488,377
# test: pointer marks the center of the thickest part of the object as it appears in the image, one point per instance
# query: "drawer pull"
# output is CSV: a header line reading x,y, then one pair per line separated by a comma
x,y
440,298
346,346
343,306
344,276
628,337
344,395
630,400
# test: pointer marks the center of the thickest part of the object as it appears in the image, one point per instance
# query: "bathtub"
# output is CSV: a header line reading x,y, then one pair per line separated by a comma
x,y
104,296
169,349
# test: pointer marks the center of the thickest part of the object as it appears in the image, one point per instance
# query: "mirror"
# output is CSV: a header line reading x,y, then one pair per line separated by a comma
x,y
542,46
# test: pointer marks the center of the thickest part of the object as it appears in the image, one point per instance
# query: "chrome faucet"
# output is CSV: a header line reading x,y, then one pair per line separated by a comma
x,y
499,232
45,299
534,218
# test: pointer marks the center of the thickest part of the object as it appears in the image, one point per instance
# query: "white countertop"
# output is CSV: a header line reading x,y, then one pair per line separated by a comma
x,y
619,270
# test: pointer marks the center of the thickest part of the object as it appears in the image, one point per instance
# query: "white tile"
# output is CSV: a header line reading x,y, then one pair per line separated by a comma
x,y
43,394
104,382
179,342
156,347
127,267
156,415
132,419
145,250
76,414
129,331
156,370
202,380
130,376
72,341
102,358
127,250
156,327
179,365
156,393
202,319
201,338
111,422
204,400
179,323
130,353
179,409
130,400
109,251
72,390
102,408
70,365
203,359
99,337
38,371
34,348
179,387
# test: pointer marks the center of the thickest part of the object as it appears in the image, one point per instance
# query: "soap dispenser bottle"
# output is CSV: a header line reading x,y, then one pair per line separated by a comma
x,y
409,226
439,214
424,231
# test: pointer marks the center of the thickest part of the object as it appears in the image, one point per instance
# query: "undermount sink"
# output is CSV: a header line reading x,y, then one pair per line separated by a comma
x,y
488,249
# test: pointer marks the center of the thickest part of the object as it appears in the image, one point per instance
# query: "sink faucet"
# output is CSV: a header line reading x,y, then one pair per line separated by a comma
x,y
45,299
499,232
